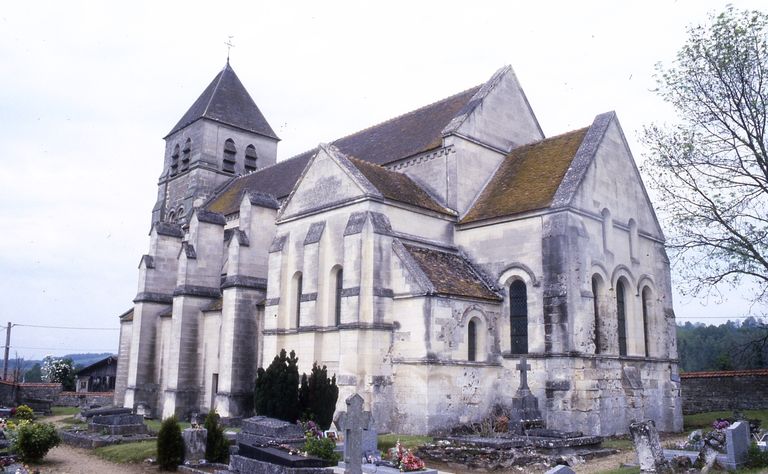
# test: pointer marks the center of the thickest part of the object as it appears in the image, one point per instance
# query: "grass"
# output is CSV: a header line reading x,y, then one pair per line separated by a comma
x,y
622,444
154,425
59,411
622,470
705,420
128,453
407,441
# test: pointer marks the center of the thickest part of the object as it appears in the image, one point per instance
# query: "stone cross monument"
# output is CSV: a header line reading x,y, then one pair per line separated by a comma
x,y
525,407
351,423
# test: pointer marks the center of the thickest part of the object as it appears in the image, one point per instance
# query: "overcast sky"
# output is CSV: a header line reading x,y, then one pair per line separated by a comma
x,y
88,90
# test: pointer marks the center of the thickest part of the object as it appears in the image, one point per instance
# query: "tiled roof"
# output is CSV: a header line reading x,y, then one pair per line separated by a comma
x,y
407,135
725,373
397,186
127,316
451,274
111,360
225,100
528,177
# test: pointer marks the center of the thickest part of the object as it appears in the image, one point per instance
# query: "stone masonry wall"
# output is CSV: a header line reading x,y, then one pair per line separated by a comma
x,y
726,390
79,399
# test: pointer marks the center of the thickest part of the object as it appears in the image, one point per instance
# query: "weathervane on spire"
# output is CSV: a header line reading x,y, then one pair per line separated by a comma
x,y
229,46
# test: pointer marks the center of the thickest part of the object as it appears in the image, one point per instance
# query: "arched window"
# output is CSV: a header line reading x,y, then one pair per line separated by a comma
x,y
185,154
632,239
621,314
518,316
646,313
230,152
337,296
175,161
171,216
250,158
607,229
472,340
596,291
298,281
180,214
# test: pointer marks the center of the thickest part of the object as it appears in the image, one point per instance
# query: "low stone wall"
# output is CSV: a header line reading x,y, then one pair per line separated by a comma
x,y
12,394
84,399
724,390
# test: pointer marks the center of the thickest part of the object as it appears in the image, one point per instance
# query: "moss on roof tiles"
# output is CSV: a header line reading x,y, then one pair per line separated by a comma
x,y
397,186
528,178
451,274
407,135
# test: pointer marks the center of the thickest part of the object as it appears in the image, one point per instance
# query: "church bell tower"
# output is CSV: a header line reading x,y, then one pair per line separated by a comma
x,y
223,135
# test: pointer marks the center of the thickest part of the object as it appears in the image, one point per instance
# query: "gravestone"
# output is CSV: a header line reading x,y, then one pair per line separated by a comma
x,y
737,443
120,424
560,469
352,423
525,411
650,455
194,444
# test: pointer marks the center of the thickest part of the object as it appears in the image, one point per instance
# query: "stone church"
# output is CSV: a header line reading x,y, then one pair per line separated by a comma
x,y
419,259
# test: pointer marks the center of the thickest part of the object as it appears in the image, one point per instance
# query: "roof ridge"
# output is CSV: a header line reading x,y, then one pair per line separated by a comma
x,y
213,92
392,119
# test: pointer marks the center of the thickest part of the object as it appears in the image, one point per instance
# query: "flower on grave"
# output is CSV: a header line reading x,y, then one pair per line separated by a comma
x,y
404,459
311,430
721,424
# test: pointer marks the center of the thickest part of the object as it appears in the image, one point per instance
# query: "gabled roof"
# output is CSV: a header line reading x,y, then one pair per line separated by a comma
x,y
127,316
398,138
528,178
450,274
111,360
225,100
397,186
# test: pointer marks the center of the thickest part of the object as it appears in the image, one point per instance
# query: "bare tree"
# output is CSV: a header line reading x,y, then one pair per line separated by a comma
x,y
711,167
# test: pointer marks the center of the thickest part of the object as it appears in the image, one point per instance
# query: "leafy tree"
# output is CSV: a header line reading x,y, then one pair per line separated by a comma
x,y
277,388
711,167
34,374
318,396
59,371
216,444
170,445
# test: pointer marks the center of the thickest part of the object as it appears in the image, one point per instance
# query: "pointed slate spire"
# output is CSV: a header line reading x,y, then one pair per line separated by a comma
x,y
225,100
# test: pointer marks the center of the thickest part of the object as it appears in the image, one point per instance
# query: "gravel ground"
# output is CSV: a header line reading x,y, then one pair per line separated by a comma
x,y
65,459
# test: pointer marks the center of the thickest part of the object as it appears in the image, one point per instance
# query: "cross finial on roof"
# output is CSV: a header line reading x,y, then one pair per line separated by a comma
x,y
229,46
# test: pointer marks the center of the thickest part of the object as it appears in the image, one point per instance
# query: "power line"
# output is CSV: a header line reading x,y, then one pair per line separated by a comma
x,y
65,327
59,349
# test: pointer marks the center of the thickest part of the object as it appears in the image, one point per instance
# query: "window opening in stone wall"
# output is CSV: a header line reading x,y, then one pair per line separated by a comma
x,y
518,317
607,227
250,159
596,310
180,214
185,154
298,299
230,152
171,216
646,307
175,161
621,313
337,296
214,388
472,341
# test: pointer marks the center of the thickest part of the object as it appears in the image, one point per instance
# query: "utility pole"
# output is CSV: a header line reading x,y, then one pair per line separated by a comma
x,y
7,347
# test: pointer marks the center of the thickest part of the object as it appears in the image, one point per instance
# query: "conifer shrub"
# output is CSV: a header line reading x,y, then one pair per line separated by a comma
x,y
277,388
170,445
318,395
216,444
23,412
32,441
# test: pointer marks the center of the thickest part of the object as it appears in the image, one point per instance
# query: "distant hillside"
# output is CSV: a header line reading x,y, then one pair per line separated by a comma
x,y
80,360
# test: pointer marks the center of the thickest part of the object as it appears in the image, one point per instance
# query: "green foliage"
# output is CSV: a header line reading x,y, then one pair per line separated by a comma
x,y
23,412
277,389
725,347
705,420
33,440
756,457
323,448
710,167
132,453
34,375
170,445
216,444
318,395
59,371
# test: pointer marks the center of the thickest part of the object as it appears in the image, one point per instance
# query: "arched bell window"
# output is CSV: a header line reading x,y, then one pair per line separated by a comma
x,y
250,159
230,151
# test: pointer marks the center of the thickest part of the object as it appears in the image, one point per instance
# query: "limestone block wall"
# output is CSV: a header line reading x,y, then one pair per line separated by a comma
x,y
121,375
724,390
